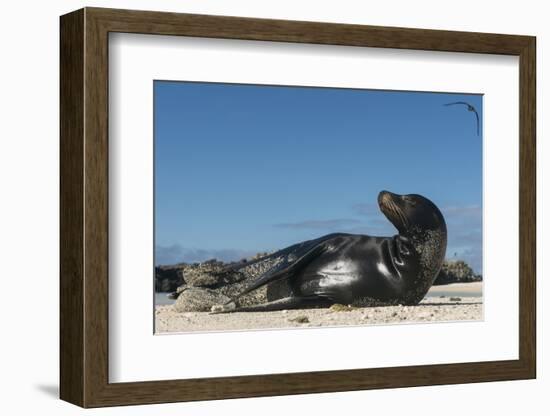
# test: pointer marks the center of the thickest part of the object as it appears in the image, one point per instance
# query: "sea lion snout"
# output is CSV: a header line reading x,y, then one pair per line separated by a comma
x,y
389,204
385,197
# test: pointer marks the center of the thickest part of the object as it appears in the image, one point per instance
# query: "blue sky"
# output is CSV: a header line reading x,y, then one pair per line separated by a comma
x,y
241,169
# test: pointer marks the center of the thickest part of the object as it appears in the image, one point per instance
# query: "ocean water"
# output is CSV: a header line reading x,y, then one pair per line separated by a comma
x,y
161,298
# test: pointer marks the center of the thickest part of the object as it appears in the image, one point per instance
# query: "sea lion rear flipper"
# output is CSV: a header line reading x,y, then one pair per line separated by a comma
x,y
284,269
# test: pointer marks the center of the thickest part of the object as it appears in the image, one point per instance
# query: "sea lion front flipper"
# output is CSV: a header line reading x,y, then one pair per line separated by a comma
x,y
283,270
291,302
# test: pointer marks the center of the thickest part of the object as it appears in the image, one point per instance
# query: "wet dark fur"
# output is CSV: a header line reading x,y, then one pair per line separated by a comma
x,y
358,269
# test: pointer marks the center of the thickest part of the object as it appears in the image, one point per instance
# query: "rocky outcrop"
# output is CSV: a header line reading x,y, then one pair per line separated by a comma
x,y
199,286
456,271
210,274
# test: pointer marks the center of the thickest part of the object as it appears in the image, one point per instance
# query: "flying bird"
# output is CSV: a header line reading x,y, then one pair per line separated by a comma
x,y
470,108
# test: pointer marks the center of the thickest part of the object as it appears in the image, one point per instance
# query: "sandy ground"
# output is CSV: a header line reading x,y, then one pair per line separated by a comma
x,y
443,303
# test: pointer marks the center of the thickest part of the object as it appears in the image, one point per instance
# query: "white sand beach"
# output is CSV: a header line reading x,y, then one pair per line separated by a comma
x,y
455,302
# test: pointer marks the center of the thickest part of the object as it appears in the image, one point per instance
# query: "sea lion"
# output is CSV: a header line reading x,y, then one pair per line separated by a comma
x,y
354,269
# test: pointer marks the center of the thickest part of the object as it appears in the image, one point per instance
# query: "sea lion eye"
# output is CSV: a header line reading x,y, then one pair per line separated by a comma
x,y
410,200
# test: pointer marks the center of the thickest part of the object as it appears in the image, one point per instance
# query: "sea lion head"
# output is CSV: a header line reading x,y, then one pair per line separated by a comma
x,y
411,214
422,234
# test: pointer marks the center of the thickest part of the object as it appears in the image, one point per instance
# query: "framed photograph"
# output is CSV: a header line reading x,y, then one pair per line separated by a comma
x,y
254,207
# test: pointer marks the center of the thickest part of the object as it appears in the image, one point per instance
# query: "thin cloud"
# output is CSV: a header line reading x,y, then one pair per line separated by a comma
x,y
319,224
175,253
374,222
365,209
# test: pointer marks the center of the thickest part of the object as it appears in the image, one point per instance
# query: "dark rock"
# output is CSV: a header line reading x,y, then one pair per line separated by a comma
x,y
456,271
168,278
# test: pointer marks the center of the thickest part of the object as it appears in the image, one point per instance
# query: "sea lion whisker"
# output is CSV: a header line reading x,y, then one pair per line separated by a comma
x,y
403,217
397,211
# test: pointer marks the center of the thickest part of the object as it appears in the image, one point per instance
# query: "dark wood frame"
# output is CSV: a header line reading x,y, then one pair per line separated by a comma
x,y
84,208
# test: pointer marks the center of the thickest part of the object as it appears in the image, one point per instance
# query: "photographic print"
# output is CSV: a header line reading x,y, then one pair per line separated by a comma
x,y
291,187
292,206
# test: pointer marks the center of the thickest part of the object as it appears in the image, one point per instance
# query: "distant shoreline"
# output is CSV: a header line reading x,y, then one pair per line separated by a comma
x,y
473,289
